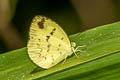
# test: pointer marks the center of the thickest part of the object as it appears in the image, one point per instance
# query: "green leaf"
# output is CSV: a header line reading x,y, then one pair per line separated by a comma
x,y
100,60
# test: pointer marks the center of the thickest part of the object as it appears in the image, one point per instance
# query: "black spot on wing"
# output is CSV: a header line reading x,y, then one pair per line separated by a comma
x,y
48,37
48,45
52,59
62,38
53,31
48,50
40,24
39,40
59,45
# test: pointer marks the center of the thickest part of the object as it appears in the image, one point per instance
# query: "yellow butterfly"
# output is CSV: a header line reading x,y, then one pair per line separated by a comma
x,y
48,44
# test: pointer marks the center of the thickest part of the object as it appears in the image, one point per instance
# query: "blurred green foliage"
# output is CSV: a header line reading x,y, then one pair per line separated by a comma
x,y
100,61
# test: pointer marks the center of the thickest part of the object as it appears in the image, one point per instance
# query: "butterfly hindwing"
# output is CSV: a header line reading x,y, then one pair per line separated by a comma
x,y
48,43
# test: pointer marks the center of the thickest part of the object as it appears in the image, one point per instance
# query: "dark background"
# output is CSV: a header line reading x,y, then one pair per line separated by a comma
x,y
72,15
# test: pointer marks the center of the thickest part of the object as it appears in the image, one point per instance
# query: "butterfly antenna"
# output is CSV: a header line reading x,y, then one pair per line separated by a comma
x,y
77,50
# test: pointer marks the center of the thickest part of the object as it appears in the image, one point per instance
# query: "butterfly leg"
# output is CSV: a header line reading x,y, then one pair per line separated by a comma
x,y
64,61
75,52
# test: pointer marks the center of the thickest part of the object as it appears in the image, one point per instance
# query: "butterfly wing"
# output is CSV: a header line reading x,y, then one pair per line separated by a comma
x,y
48,44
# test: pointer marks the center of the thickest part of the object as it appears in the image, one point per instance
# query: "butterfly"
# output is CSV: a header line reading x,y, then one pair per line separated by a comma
x,y
48,43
